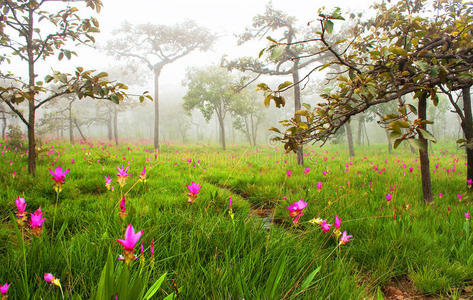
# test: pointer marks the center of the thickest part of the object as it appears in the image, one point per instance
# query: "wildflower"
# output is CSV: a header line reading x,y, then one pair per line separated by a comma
x,y
336,225
392,188
59,176
288,173
411,169
143,175
37,221
467,215
142,251
440,195
324,173
325,226
194,189
315,221
388,197
131,238
151,248
4,290
469,182
295,211
122,175
319,186
21,215
459,197
108,183
49,278
122,212
306,171
345,238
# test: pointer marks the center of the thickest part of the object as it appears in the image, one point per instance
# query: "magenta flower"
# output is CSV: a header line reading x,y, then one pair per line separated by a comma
x,y
143,174
325,226
467,215
459,197
58,175
194,189
49,278
288,173
131,238
388,197
4,290
324,173
345,238
319,186
337,223
151,248
295,211
122,212
108,182
306,171
37,221
440,195
122,175
20,205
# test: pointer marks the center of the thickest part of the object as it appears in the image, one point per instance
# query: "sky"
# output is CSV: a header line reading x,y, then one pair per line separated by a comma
x,y
224,17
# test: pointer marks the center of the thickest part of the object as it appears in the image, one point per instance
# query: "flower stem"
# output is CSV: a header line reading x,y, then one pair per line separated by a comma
x,y
55,211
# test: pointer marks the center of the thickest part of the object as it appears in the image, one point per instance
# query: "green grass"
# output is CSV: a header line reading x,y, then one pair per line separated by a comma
x,y
207,255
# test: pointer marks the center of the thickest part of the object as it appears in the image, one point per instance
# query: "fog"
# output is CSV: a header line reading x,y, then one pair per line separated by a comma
x,y
94,119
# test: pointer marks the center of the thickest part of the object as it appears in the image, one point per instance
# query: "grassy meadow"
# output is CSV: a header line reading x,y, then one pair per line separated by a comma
x,y
257,254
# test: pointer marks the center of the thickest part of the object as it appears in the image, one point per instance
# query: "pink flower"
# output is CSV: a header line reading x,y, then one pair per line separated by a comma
x,y
142,249
108,182
337,223
469,182
325,226
194,188
143,174
324,173
122,172
440,195
288,173
20,205
49,278
392,188
4,289
388,197
131,238
459,197
319,186
306,171
345,238
37,219
58,175
151,247
467,215
411,169
295,211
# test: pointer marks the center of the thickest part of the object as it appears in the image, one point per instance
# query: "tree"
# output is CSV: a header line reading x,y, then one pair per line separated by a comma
x,y
407,51
31,34
211,90
247,113
287,59
157,46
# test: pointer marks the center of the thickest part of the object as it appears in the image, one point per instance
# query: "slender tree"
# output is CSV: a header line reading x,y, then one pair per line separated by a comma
x,y
157,46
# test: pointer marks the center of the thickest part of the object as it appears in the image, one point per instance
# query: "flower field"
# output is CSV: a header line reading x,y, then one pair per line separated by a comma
x,y
193,222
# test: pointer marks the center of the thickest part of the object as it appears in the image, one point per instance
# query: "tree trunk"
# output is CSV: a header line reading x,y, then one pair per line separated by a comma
x,y
222,131
366,134
467,126
110,125
297,106
31,101
424,154
80,131
361,120
71,128
350,140
115,124
157,72
4,126
390,144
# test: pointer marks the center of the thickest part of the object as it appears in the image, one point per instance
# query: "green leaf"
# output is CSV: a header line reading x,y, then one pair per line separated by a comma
x,y
308,280
284,85
416,144
275,276
328,26
155,287
397,142
398,51
277,52
427,135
